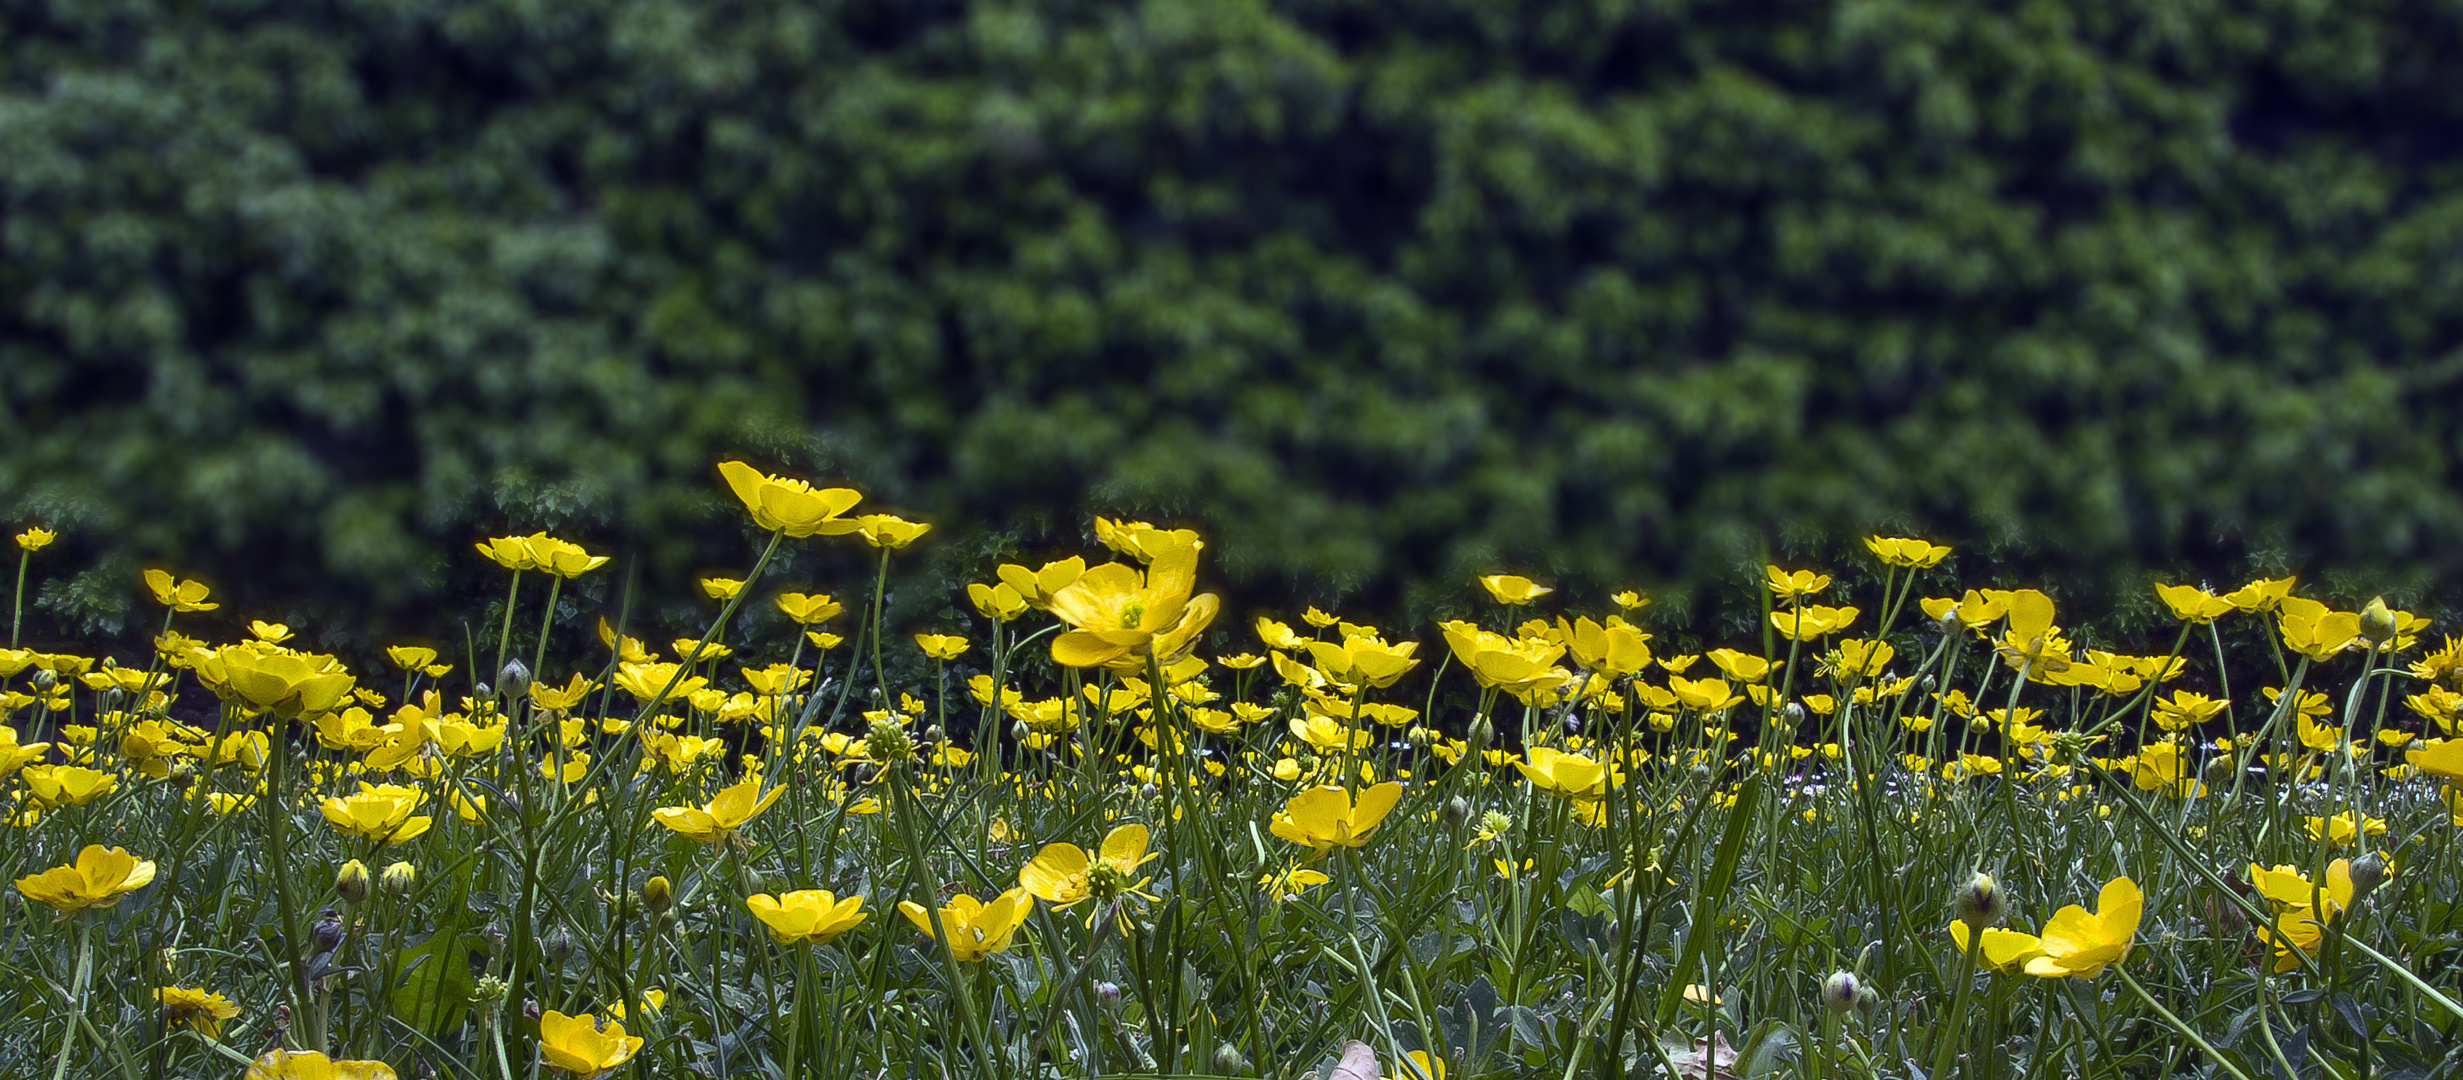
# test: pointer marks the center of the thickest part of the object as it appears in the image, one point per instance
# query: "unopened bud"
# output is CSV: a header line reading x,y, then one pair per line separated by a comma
x,y
1480,734
514,678
1420,737
45,678
557,946
934,734
1795,712
326,931
1018,732
1980,904
351,881
1928,684
398,879
658,895
1840,991
2377,622
2368,872
1227,1060
1458,809
1108,993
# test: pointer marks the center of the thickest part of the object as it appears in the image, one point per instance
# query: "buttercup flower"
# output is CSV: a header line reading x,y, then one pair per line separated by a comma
x,y
719,818
889,530
1120,617
379,813
2079,945
1326,817
976,929
2192,604
1062,874
35,539
270,678
806,916
99,878
941,646
791,506
582,1045
1904,552
808,609
310,1065
202,1011
1039,586
1792,586
182,596
2313,630
1513,590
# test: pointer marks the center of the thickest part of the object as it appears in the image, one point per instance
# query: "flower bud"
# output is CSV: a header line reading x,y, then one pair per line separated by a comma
x,y
658,895
2377,622
1228,1060
1108,993
1019,732
1841,991
514,678
557,945
326,931
1980,903
351,881
1458,809
1480,734
1928,684
1419,737
398,879
1795,712
45,678
2368,872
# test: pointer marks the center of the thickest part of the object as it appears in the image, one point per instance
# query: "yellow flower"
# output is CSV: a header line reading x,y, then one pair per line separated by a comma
x,y
1558,773
808,609
1812,621
1515,664
35,538
99,878
2162,766
1120,617
1327,735
561,698
508,552
271,633
408,657
67,785
2289,888
2079,945
941,646
2444,760
1289,884
1513,589
791,506
1740,666
1039,586
1907,553
184,596
1793,586
2006,951
1614,648
2185,709
1973,610
889,530
1418,1065
563,558
719,588
2313,630
202,1011
1002,602
2261,595
652,1000
1363,660
806,916
1702,695
270,678
719,818
1325,817
976,929
310,1065
580,1045
2340,829
2192,604
1062,874
380,813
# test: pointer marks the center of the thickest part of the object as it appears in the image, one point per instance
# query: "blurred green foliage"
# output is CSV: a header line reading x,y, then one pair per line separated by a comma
x,y
304,296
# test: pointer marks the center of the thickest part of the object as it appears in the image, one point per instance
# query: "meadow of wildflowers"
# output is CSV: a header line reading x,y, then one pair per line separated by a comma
x,y
1913,829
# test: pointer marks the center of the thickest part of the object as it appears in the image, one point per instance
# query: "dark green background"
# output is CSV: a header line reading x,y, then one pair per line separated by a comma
x,y
303,297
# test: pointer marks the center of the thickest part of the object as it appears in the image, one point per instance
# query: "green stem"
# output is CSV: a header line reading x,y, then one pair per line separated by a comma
x,y
76,996
504,634
17,611
2188,1032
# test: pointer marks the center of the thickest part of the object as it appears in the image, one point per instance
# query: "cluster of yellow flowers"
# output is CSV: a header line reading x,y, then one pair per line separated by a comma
x,y
1580,728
